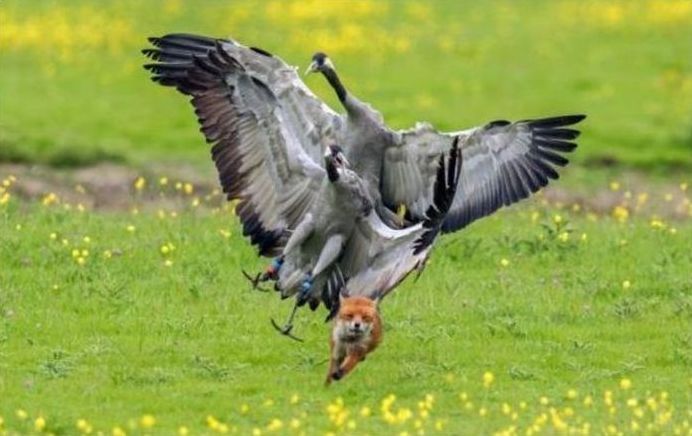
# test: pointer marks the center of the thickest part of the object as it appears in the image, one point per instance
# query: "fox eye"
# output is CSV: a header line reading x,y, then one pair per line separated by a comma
x,y
348,316
367,319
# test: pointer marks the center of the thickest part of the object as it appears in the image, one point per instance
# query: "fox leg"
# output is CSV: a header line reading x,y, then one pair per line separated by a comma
x,y
333,366
349,363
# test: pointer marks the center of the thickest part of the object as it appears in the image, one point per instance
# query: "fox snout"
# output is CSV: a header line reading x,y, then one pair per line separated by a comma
x,y
353,329
359,326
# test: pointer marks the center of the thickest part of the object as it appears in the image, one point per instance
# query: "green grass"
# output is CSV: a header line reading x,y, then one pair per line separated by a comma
x,y
121,337
77,94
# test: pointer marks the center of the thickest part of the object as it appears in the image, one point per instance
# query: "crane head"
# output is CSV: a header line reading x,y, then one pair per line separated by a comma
x,y
320,62
334,162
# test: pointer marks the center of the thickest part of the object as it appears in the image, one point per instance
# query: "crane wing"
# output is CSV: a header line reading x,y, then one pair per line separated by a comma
x,y
267,129
503,163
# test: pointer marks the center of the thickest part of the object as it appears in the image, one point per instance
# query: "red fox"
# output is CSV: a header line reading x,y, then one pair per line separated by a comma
x,y
357,331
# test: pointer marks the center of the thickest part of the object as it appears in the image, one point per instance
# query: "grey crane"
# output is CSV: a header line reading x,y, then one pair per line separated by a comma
x,y
269,132
319,238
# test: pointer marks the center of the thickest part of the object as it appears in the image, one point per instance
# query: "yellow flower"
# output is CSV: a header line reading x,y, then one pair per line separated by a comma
x,y
183,431
87,239
482,411
140,183
614,185
188,188
107,254
117,431
147,421
572,394
294,399
295,423
621,213
557,219
275,425
588,401
544,401
168,263
625,384
488,379
504,262
165,249
683,186
365,411
163,181
244,409
83,426
563,236
80,260
40,423
668,197
626,284
53,236
657,224
130,228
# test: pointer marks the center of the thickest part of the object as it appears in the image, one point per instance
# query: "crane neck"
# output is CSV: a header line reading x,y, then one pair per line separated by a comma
x,y
334,80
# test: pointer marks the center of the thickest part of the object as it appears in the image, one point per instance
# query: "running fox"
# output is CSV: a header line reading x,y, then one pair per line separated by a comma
x,y
357,331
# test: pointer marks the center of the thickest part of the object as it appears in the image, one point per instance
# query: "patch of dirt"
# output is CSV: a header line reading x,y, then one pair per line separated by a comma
x,y
112,187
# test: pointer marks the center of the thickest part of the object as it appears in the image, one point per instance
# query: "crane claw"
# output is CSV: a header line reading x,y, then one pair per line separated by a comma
x,y
285,330
255,280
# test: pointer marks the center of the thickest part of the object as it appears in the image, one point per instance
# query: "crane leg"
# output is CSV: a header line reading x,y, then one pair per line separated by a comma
x,y
271,273
330,252
288,326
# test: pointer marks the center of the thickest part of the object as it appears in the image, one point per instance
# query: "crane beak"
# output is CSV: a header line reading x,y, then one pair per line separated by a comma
x,y
311,68
344,161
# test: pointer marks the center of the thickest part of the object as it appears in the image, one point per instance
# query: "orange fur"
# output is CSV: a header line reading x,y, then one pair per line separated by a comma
x,y
357,330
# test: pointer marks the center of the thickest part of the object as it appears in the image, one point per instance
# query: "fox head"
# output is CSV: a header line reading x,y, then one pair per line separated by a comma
x,y
356,318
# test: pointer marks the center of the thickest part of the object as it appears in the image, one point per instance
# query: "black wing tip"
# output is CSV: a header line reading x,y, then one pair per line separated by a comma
x,y
444,191
557,121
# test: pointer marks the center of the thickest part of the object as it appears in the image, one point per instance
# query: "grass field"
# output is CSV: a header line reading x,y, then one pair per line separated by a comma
x,y
154,325
571,312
